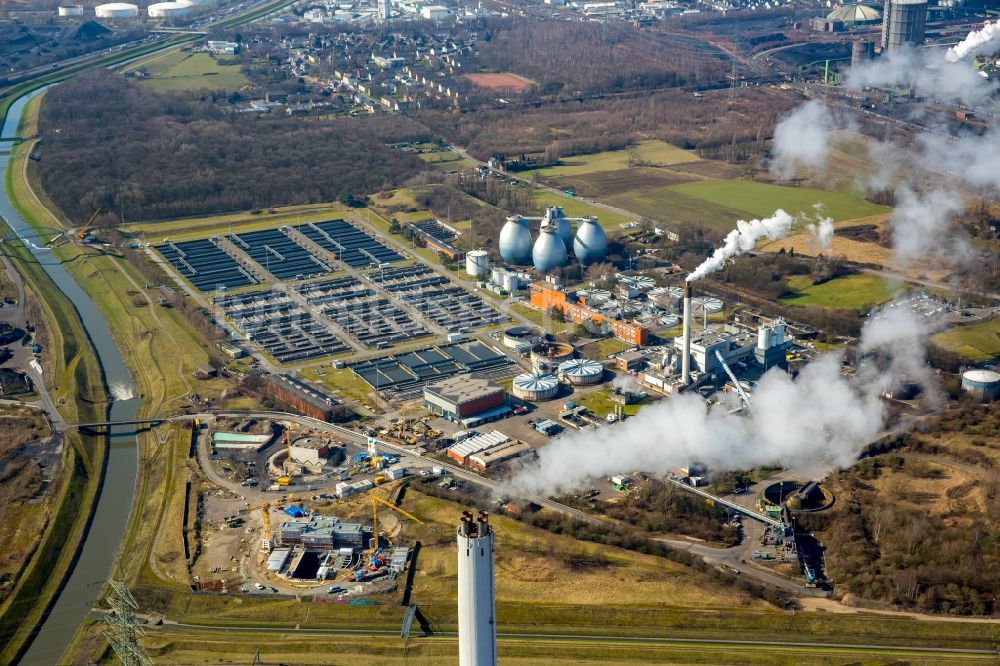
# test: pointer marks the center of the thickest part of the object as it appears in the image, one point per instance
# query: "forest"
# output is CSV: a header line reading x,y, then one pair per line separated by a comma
x,y
734,129
109,143
566,56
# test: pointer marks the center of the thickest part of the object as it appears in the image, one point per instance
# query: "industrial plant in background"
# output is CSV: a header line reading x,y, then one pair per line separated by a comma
x,y
555,240
477,629
903,23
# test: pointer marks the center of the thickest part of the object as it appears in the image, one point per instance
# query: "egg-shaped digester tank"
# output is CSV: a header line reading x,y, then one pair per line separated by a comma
x,y
590,244
556,217
515,241
549,251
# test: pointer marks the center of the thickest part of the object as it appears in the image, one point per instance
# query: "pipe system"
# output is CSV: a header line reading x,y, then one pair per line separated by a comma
x,y
686,353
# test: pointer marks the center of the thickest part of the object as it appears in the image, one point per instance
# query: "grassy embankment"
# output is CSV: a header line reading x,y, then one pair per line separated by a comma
x,y
159,348
77,386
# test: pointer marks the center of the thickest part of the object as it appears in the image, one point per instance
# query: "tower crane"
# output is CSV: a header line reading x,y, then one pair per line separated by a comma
x,y
86,226
376,500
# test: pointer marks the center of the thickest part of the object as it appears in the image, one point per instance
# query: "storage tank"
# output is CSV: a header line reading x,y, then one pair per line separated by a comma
x,y
496,275
71,10
168,10
546,356
116,10
590,244
549,251
581,372
477,263
511,282
983,385
535,387
515,241
519,335
556,217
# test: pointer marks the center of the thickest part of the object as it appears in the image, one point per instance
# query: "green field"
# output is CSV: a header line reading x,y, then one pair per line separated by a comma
x,y
668,205
192,71
601,404
850,292
978,342
656,153
762,199
577,208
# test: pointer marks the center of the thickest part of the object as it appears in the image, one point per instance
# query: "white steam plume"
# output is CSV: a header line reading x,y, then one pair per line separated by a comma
x,y
899,336
801,141
922,226
821,230
743,239
978,41
923,70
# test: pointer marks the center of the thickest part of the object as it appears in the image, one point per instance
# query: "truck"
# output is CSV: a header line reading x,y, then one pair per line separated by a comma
x,y
620,482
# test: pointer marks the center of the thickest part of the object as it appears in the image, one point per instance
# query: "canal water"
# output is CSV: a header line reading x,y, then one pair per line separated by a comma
x,y
115,500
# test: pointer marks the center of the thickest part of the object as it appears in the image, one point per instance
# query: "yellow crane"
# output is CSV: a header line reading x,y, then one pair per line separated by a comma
x,y
265,515
83,231
376,500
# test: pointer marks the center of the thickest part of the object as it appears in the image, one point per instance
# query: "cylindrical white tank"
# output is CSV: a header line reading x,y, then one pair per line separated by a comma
x,y
497,275
71,10
982,384
168,10
581,371
534,387
511,282
477,630
477,263
116,10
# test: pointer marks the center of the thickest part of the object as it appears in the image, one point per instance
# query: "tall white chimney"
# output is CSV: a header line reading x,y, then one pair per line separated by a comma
x,y
686,354
477,631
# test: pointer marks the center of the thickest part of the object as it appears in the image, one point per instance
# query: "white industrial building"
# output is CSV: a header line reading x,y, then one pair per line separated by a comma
x,y
71,10
435,12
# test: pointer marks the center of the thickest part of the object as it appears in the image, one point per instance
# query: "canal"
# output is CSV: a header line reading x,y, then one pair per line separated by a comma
x,y
103,539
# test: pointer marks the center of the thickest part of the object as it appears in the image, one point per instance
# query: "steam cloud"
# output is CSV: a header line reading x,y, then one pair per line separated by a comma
x,y
800,140
821,419
744,238
978,41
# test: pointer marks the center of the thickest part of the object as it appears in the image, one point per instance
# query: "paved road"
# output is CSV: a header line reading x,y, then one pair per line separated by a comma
x,y
177,627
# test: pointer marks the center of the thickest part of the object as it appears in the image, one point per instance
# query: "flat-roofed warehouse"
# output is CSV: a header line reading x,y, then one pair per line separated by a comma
x,y
463,396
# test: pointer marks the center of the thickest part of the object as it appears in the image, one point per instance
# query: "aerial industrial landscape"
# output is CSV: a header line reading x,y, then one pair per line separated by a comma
x,y
516,331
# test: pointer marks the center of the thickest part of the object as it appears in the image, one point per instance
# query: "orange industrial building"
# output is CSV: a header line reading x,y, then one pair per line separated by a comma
x,y
546,296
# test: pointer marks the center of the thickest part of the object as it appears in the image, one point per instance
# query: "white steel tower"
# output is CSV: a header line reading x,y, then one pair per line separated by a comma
x,y
477,631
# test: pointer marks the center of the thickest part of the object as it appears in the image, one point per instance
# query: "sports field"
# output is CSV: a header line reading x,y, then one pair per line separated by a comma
x,y
849,292
192,71
979,342
762,199
654,153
